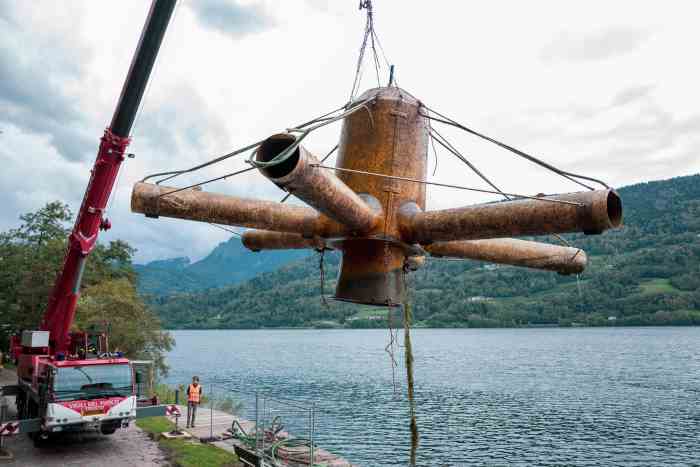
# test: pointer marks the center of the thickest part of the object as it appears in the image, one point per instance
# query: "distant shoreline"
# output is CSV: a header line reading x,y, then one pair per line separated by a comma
x,y
340,328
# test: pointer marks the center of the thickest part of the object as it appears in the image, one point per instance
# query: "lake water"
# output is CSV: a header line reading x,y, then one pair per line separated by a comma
x,y
610,396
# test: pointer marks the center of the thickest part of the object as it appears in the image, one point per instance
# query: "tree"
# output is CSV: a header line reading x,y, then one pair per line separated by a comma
x,y
133,328
30,259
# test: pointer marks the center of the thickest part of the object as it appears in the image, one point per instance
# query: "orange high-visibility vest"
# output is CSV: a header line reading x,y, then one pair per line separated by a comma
x,y
193,391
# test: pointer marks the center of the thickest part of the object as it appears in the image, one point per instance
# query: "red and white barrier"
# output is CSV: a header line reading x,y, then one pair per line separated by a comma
x,y
9,429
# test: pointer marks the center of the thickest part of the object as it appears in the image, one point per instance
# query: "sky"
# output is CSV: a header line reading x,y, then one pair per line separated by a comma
x,y
602,88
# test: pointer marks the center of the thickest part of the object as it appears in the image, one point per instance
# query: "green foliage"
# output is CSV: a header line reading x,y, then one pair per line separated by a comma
x,y
193,454
30,259
166,394
185,453
229,263
155,425
133,328
645,273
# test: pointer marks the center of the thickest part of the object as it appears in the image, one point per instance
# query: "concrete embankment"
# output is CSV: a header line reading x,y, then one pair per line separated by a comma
x,y
217,423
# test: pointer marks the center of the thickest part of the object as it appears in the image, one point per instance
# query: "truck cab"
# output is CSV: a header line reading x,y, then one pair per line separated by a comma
x,y
90,394
75,394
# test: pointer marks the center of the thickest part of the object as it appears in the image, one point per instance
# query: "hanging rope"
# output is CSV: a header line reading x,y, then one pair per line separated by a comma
x,y
389,349
322,273
410,382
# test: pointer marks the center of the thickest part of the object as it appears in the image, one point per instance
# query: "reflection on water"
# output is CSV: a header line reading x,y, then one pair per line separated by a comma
x,y
624,396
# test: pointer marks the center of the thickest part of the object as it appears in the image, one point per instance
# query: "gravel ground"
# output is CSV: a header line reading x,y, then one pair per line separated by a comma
x,y
130,447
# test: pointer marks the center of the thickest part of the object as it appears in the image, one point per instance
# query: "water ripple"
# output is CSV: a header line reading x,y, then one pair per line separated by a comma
x,y
546,397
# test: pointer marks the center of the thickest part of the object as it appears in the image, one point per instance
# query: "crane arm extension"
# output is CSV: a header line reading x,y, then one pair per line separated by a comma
x,y
60,311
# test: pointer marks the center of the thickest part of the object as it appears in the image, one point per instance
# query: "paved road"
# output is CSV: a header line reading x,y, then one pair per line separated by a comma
x,y
130,447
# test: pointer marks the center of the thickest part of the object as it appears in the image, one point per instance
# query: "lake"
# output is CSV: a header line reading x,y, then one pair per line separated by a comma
x,y
577,396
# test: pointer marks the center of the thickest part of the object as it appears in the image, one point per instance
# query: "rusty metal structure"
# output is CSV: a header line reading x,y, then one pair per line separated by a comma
x,y
372,206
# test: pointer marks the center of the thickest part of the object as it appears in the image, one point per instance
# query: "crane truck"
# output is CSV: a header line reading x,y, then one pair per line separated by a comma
x,y
69,380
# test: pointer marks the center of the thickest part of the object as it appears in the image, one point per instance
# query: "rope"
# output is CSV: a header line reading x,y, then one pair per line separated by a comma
x,y
568,175
410,382
322,273
289,151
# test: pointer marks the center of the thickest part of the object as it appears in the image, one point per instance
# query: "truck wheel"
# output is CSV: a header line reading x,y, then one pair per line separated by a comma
x,y
40,438
108,430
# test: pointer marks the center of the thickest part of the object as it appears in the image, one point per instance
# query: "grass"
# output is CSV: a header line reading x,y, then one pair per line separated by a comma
x,y
366,313
186,453
656,286
155,425
194,454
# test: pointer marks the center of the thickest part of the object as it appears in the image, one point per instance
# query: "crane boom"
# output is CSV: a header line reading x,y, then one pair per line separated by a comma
x,y
60,311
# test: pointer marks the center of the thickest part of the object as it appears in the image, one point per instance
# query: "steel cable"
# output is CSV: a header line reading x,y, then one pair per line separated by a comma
x,y
568,175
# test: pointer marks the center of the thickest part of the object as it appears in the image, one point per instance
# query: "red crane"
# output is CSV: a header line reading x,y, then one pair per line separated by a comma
x,y
68,381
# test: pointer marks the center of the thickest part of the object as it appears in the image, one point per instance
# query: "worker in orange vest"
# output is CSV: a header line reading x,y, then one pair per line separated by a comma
x,y
194,397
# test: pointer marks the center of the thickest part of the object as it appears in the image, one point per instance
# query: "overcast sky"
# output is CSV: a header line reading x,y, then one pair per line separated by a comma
x,y
604,88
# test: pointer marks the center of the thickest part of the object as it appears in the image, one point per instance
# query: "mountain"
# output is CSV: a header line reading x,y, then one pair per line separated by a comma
x,y
229,263
645,273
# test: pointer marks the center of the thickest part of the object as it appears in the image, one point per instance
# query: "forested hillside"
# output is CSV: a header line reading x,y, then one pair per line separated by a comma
x,y
646,273
32,254
229,263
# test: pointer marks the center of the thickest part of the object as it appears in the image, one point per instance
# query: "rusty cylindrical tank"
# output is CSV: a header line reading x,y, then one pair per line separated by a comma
x,y
156,200
318,187
390,139
564,260
590,212
257,240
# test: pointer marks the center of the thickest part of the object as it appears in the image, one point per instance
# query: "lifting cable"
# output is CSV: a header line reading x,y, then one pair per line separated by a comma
x,y
568,175
305,129
370,36
446,185
436,136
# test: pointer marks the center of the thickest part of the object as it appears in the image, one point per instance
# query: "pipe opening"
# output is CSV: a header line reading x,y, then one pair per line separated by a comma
x,y
614,209
271,148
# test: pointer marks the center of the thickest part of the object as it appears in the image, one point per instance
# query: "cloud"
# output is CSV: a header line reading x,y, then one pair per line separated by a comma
x,y
230,17
36,73
632,135
600,45
632,94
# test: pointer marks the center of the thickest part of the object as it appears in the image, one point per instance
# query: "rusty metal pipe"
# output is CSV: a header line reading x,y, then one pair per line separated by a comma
x,y
590,212
257,240
317,187
153,201
536,255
